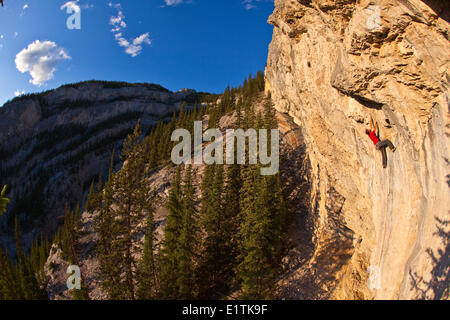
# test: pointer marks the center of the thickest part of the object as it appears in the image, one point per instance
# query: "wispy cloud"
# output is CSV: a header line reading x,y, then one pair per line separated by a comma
x,y
87,6
39,59
173,2
133,47
72,5
252,4
25,7
18,93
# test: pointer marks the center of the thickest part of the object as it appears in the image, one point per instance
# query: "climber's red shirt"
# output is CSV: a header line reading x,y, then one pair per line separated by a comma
x,y
374,137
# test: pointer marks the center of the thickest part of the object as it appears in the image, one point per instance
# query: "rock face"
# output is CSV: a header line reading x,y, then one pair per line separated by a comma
x,y
378,233
53,144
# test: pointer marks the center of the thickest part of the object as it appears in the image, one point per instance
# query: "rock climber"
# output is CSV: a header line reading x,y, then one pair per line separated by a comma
x,y
373,134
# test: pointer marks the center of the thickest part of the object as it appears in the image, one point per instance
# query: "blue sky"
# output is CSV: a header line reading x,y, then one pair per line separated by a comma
x,y
198,44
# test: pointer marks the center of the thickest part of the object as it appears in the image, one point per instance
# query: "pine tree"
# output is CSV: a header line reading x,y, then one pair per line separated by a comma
x,y
239,106
232,217
91,199
249,115
9,285
252,258
263,214
5,281
168,256
131,204
18,240
270,121
82,293
3,201
187,242
147,271
105,227
150,149
217,255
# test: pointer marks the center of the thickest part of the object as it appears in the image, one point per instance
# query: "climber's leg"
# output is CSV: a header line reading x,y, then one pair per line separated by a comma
x,y
381,145
385,143
384,156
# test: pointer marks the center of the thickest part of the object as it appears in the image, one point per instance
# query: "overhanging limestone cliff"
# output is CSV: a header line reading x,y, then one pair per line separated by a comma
x,y
332,65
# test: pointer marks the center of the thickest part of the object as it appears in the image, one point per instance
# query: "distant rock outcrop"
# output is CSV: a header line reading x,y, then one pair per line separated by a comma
x,y
378,233
53,144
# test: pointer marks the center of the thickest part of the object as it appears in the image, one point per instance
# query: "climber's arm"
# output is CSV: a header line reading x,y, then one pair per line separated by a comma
x,y
371,124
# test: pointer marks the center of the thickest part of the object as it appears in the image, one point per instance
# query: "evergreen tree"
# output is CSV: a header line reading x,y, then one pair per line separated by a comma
x,y
3,201
132,202
147,271
91,199
256,270
270,121
186,246
232,217
239,107
168,257
18,240
82,293
217,240
263,214
105,227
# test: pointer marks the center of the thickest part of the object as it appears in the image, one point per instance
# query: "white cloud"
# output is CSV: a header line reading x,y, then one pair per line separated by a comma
x,y
173,2
72,5
87,6
18,93
118,22
134,46
23,10
75,7
39,59
248,4
114,5
16,34
251,4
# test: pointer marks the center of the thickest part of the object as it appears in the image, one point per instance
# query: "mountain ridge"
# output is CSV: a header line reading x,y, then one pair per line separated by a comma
x,y
62,139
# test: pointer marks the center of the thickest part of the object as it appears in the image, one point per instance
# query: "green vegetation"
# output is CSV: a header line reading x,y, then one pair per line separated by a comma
x,y
226,242
3,201
67,239
21,278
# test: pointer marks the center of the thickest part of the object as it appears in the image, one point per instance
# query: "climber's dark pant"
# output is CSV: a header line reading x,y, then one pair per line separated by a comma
x,y
382,145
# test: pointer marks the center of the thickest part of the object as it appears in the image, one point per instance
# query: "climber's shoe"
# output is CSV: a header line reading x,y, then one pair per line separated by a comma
x,y
393,150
